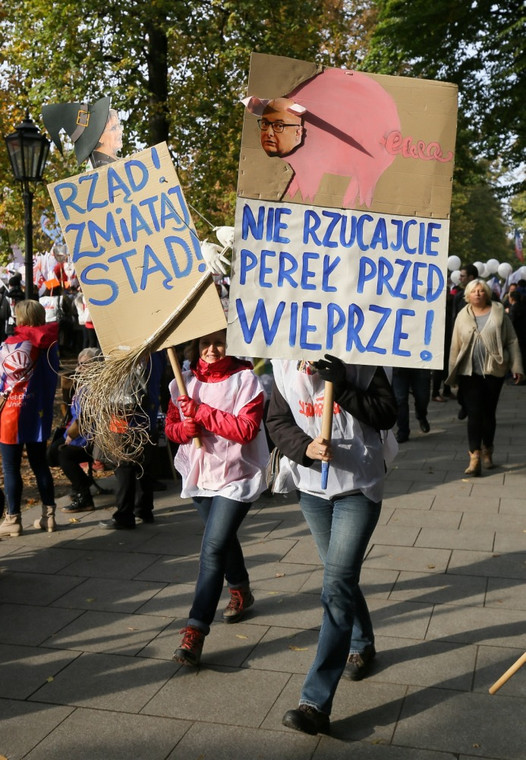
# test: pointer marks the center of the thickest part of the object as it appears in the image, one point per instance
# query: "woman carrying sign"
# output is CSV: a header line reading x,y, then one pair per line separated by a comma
x,y
223,406
342,517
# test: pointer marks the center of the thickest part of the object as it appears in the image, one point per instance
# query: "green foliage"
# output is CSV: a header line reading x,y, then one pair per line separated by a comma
x,y
174,70
478,45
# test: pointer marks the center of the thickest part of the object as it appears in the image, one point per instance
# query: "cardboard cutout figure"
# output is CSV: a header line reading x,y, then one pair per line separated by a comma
x,y
83,122
110,142
281,127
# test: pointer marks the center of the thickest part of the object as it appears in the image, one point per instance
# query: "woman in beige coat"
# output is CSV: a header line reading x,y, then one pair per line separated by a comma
x,y
484,348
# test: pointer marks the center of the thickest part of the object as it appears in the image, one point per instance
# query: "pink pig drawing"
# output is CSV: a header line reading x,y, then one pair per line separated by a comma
x,y
349,116
347,119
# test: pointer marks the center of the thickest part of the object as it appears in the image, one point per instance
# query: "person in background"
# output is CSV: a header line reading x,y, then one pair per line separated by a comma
x,y
134,495
484,348
15,294
89,336
418,382
28,378
5,312
223,406
506,299
341,516
73,449
468,273
517,314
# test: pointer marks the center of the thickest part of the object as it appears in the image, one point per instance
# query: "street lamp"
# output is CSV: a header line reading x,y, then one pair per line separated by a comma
x,y
28,150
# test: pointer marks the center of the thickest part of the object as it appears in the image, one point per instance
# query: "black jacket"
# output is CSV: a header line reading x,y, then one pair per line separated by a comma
x,y
375,406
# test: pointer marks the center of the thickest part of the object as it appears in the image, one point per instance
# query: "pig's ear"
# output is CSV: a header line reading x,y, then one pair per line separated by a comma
x,y
297,109
255,105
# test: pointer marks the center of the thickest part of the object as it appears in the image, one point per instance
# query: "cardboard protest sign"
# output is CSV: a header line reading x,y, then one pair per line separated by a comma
x,y
135,250
342,219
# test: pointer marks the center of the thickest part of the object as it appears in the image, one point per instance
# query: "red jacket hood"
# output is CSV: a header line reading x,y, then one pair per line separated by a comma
x,y
41,336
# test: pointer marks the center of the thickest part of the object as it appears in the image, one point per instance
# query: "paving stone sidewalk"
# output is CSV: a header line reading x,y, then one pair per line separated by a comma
x,y
89,621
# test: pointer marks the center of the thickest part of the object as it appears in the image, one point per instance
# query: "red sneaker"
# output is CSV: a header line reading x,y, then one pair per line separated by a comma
x,y
240,601
189,652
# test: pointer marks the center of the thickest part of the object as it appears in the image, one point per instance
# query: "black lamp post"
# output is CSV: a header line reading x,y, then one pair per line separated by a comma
x,y
28,150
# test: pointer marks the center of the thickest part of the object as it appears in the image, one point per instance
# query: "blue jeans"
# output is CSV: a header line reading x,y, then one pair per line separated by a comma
x,y
221,556
341,528
11,462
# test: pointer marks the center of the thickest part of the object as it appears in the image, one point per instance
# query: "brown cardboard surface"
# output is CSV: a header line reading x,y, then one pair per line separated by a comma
x,y
147,258
427,112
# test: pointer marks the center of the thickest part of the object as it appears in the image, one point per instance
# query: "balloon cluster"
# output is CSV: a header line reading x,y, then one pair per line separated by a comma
x,y
491,268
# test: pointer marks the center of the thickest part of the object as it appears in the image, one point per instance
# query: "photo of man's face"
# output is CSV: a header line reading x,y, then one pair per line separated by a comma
x,y
281,131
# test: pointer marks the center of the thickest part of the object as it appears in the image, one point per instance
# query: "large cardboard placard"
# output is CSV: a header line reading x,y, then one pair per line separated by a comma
x,y
341,244
135,250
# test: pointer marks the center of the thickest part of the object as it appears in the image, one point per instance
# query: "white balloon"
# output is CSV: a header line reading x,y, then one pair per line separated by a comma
x,y
522,272
492,266
505,270
453,263
455,277
480,266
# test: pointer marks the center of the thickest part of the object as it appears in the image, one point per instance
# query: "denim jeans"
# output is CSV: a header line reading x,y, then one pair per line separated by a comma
x,y
221,556
341,528
11,462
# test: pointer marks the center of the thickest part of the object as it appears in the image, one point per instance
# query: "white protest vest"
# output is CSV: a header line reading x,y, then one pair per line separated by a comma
x,y
358,450
222,466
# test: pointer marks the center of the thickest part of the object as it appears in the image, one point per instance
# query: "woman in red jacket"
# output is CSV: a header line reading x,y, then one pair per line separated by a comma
x,y
223,407
28,380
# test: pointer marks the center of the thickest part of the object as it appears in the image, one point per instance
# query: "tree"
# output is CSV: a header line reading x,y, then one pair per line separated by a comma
x,y
478,45
176,69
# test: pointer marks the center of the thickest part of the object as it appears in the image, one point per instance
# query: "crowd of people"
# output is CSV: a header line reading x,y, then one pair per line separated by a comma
x,y
223,421
63,302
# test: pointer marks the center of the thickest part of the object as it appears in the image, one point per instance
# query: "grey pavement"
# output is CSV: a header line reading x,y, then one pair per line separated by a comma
x,y
89,620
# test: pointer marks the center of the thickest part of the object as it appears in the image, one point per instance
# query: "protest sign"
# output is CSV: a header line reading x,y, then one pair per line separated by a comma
x,y
342,219
136,254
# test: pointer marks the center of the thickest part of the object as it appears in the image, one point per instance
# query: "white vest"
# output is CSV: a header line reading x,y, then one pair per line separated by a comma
x,y
222,466
358,462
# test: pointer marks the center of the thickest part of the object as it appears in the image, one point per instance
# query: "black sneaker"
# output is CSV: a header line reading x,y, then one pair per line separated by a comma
x,y
307,719
114,525
424,425
80,502
359,665
146,517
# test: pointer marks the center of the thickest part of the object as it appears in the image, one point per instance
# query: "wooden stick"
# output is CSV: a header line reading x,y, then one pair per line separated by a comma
x,y
508,674
180,382
326,427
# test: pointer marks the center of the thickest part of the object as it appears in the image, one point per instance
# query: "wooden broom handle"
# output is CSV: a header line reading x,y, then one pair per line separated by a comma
x,y
508,674
180,382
